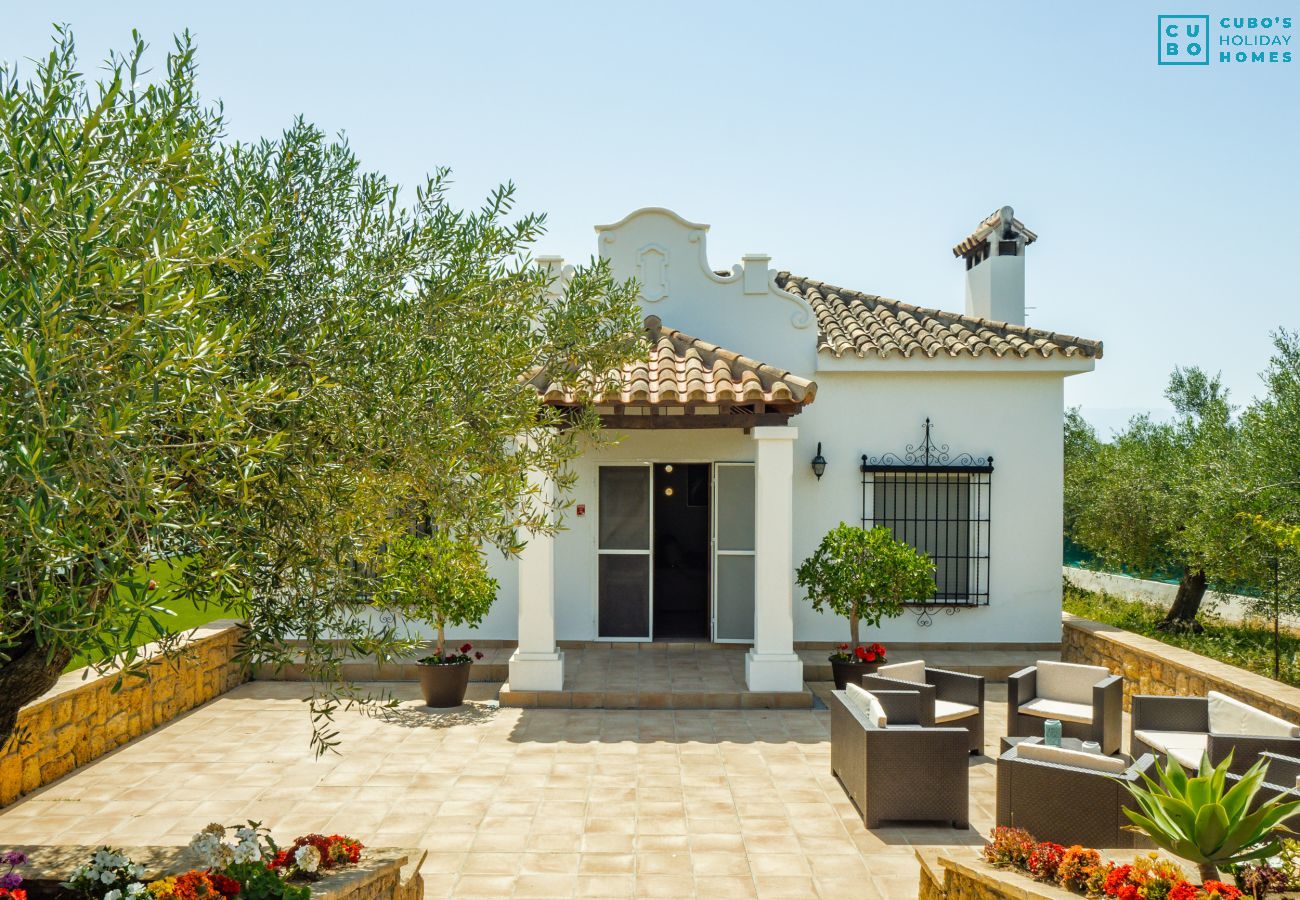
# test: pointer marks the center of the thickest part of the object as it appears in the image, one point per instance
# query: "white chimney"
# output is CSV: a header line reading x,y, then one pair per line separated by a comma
x,y
995,267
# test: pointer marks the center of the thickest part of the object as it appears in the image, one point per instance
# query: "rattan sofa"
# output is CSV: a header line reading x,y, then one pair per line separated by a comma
x,y
902,771
1184,727
1087,700
947,698
1061,802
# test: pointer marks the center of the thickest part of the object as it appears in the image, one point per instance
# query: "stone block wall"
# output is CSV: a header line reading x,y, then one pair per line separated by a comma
x,y
82,718
1154,667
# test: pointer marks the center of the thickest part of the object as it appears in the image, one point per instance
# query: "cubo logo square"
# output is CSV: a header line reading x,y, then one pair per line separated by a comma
x,y
1183,40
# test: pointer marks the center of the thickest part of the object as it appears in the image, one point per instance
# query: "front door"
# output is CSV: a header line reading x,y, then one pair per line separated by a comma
x,y
675,552
681,551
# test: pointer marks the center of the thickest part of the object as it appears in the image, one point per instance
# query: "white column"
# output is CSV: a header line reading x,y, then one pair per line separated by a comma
x,y
772,664
537,665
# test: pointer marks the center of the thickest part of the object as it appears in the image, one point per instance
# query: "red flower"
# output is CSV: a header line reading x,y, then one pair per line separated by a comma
x,y
13,894
1217,890
1116,880
844,647
478,654
878,649
1182,890
870,657
1129,892
860,652
465,648
224,883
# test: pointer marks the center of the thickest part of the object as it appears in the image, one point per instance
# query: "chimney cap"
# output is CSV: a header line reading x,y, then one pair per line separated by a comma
x,y
1004,217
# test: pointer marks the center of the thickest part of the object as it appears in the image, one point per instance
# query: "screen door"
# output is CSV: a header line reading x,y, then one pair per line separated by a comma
x,y
733,542
623,553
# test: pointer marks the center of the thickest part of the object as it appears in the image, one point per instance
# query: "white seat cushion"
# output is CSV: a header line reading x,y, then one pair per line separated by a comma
x,y
948,711
1079,713
866,704
913,671
1229,715
1184,746
1095,762
1069,682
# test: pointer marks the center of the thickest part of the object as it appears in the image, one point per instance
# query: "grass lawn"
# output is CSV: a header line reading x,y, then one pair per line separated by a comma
x,y
1249,646
187,615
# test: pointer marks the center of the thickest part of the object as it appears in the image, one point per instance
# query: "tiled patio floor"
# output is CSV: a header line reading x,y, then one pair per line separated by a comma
x,y
516,802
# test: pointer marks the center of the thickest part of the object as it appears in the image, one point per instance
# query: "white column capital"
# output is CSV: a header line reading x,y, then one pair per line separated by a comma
x,y
774,432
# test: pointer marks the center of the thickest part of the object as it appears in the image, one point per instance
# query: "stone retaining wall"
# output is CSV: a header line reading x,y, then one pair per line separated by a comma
x,y
1154,667
81,718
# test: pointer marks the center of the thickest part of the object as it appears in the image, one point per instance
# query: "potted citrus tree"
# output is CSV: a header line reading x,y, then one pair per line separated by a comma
x,y
440,579
865,576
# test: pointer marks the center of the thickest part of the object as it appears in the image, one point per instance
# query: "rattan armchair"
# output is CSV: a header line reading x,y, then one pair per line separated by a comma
x,y
901,771
954,699
1104,714
1066,804
1180,727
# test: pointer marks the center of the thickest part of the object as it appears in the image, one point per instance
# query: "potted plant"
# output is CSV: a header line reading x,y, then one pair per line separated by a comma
x,y
441,579
866,576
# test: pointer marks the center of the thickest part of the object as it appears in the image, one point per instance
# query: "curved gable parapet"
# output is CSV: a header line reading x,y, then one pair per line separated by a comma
x,y
742,306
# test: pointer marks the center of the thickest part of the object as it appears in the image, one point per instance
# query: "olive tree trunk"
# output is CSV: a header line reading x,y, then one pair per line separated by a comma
x,y
26,675
1187,603
853,630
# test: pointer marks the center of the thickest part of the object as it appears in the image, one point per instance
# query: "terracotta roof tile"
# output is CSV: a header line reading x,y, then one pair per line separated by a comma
x,y
850,322
680,369
986,228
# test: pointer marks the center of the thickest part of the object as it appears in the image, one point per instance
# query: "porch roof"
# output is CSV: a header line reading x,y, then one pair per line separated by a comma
x,y
682,371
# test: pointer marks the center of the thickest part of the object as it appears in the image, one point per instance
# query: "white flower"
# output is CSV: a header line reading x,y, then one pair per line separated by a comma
x,y
307,858
206,846
103,857
247,851
108,876
114,894
136,889
136,871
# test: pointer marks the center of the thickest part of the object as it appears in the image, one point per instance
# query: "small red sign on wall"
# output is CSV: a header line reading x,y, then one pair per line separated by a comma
x,y
582,509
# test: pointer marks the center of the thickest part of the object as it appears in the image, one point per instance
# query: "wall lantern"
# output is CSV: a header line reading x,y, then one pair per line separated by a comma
x,y
819,463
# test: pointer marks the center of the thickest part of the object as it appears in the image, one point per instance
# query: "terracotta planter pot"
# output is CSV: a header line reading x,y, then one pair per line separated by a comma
x,y
849,672
444,686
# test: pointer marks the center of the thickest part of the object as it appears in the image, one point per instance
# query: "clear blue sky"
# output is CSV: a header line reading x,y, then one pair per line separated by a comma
x,y
853,142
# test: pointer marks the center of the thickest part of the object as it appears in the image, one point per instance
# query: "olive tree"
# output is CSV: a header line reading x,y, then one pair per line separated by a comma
x,y
865,575
127,434
1159,498
261,364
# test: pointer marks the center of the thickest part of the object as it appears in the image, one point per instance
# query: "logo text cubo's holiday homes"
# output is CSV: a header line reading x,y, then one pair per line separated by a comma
x,y
1196,40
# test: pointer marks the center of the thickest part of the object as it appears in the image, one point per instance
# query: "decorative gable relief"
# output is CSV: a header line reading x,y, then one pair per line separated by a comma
x,y
741,308
652,272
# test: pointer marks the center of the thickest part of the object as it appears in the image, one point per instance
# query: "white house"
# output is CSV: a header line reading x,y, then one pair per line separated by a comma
x,y
945,426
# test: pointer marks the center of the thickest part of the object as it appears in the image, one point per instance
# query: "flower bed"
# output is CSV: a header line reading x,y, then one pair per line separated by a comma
x,y
1083,871
249,867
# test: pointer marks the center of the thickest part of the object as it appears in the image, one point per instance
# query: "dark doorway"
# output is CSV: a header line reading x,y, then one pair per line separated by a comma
x,y
681,551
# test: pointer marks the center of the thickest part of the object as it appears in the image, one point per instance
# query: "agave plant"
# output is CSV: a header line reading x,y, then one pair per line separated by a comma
x,y
1204,820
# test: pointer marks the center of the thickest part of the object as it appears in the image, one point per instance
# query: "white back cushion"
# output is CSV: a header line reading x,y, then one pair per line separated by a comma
x,y
1068,681
1230,716
1092,761
866,704
913,671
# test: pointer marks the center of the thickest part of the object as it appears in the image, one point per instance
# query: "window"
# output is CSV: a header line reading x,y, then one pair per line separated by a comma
x,y
940,506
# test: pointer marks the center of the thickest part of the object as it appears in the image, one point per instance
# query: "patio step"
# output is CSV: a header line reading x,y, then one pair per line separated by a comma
x,y
656,699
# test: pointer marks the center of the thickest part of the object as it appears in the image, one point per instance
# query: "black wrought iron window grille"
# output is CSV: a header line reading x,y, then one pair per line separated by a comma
x,y
938,502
